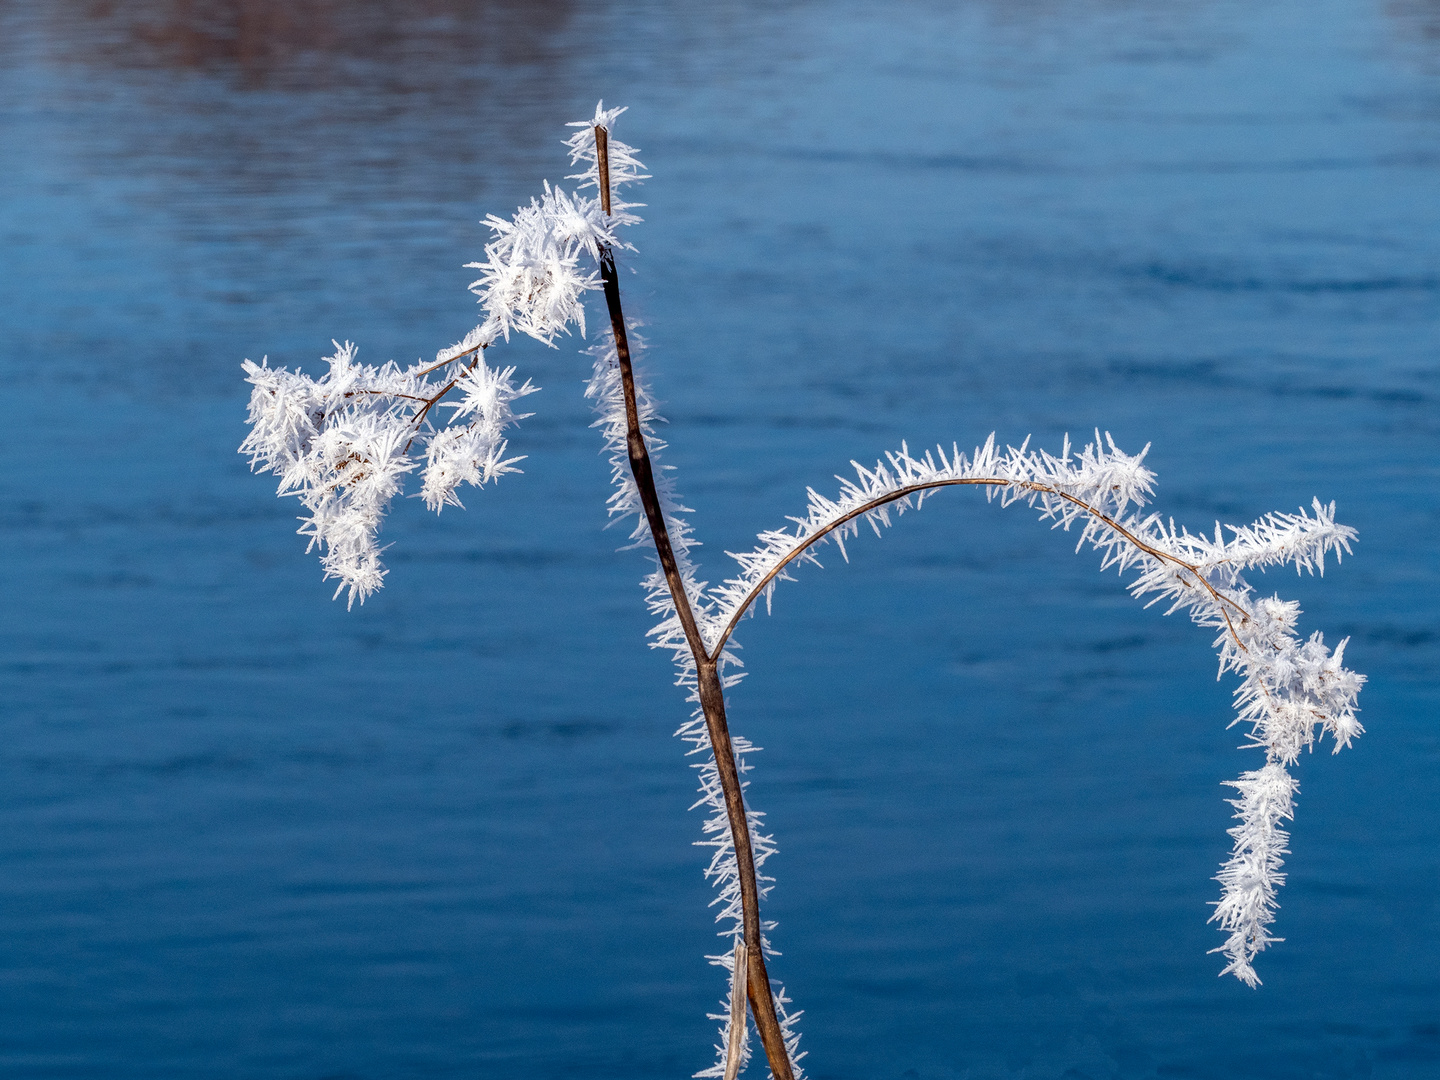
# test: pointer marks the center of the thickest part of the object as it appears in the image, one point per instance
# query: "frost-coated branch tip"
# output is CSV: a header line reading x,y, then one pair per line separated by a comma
x,y
625,166
603,118
1252,874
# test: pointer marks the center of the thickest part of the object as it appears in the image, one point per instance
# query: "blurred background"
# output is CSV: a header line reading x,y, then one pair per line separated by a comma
x,y
245,833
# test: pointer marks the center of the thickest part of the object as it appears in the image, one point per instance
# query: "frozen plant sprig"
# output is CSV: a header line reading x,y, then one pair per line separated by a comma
x,y
345,442
1291,691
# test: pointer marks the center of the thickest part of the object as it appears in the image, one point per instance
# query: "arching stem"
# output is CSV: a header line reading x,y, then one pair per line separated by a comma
x,y
1099,515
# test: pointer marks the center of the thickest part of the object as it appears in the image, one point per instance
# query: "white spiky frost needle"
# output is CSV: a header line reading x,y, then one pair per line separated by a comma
x,y
344,443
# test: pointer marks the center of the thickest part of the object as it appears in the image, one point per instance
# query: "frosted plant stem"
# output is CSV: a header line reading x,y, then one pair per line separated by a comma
x,y
902,493
712,697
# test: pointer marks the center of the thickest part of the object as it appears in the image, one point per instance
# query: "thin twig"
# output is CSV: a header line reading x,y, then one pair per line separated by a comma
x,y
442,363
710,691
385,393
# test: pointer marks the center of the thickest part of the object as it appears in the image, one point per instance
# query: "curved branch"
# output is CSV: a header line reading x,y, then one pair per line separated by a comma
x,y
985,481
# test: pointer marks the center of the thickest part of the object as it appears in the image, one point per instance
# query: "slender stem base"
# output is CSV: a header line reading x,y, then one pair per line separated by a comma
x,y
757,985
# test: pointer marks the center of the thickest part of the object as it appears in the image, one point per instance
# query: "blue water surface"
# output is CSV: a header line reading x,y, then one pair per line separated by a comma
x,y
246,833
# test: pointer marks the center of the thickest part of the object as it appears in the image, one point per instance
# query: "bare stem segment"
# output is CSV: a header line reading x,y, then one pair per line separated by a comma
x,y
738,983
712,697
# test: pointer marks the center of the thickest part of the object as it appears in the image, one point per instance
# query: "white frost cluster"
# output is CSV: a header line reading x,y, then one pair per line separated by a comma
x,y
344,443
1291,690
532,279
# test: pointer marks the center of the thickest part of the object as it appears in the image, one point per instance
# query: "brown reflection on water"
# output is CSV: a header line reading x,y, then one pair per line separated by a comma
x,y
391,100
277,44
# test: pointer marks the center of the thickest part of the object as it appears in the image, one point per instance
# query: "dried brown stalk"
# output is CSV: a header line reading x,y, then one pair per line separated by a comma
x,y
712,697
